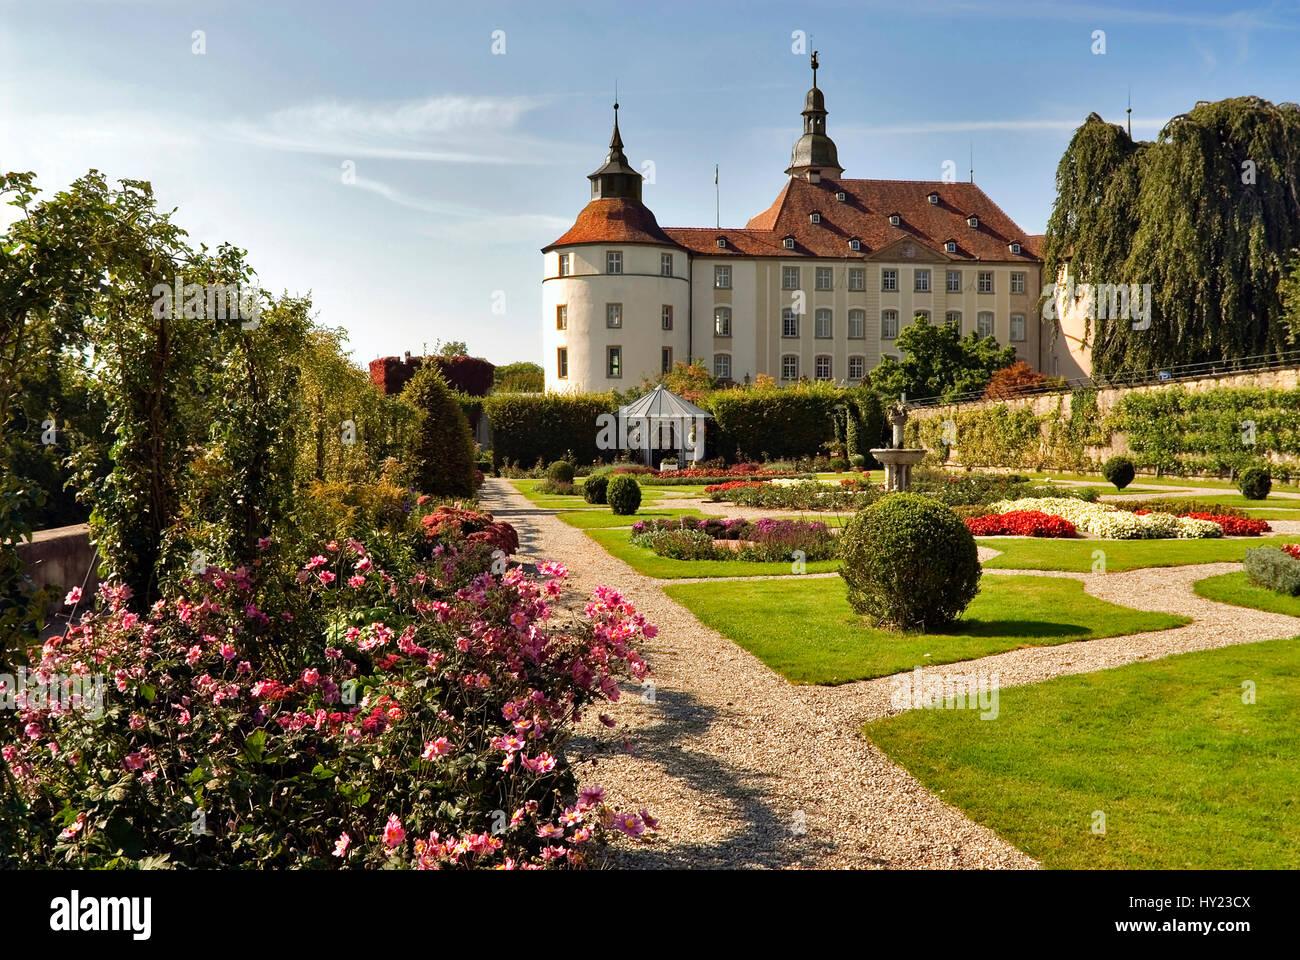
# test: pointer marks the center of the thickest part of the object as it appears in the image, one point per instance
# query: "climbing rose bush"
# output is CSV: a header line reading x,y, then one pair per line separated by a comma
x,y
341,716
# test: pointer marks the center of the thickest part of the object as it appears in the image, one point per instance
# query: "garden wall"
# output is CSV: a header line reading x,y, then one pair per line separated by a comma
x,y
1215,425
62,558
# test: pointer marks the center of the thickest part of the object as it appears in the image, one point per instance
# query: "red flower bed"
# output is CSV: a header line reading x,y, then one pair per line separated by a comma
x,y
1020,523
1233,526
732,485
1293,549
698,473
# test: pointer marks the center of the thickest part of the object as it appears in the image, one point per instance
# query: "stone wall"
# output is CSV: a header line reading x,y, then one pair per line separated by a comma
x,y
1045,405
62,557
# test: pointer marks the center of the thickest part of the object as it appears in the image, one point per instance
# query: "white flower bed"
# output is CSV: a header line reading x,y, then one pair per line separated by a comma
x,y
1110,523
796,481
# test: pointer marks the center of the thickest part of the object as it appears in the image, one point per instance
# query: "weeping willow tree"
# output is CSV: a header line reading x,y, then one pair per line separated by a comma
x,y
1208,214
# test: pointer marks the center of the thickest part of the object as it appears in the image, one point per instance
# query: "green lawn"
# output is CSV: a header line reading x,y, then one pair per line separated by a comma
x,y
652,565
528,487
593,519
1187,775
1237,500
1033,553
1235,589
806,630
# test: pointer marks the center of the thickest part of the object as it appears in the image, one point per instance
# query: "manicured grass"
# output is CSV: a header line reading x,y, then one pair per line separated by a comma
x,y
1031,553
806,630
528,488
1187,775
1235,589
1237,500
652,565
594,519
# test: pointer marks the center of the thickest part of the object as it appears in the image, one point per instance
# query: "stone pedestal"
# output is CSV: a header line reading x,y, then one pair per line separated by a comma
x,y
898,466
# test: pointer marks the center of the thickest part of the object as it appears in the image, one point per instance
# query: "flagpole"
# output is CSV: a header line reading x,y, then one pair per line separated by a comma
x,y
717,202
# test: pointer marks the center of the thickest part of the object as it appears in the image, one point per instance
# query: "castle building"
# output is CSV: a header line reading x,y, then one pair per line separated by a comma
x,y
816,287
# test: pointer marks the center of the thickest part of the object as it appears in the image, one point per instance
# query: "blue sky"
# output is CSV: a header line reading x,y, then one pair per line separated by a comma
x,y
468,161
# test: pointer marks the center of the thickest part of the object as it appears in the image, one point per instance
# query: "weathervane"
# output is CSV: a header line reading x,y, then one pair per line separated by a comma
x,y
814,68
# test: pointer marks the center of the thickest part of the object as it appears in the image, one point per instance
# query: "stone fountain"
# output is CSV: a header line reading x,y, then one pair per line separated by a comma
x,y
898,461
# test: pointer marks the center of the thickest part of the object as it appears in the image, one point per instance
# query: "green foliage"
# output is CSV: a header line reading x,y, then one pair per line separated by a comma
x,y
547,426
442,455
939,362
1182,215
994,436
771,423
561,471
594,487
1255,483
523,377
1274,570
623,494
910,563
1119,471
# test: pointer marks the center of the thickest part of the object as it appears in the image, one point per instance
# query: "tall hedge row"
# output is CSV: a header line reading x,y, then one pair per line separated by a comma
x,y
774,424
527,427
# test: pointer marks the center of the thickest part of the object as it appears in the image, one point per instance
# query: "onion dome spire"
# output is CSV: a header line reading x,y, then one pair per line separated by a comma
x,y
616,179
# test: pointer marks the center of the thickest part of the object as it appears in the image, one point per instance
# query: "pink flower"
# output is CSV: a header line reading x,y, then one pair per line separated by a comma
x,y
356,582
74,596
630,824
228,652
650,822
436,748
311,676
342,844
73,828
393,832
590,796
264,543
134,761
326,577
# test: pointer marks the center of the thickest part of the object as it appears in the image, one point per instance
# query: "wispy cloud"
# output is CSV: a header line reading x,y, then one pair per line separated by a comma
x,y
438,129
503,229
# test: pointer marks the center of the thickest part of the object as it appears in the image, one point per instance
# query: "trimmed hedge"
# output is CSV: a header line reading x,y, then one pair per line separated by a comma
x,y
442,455
1274,570
546,426
593,488
775,423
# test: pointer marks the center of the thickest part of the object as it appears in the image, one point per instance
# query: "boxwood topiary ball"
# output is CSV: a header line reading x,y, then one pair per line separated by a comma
x,y
561,471
1119,471
910,563
1255,483
593,488
623,494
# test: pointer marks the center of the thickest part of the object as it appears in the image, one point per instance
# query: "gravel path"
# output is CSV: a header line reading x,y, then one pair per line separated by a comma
x,y
744,769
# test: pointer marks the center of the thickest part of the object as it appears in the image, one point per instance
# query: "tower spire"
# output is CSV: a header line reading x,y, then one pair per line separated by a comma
x,y
616,178
814,155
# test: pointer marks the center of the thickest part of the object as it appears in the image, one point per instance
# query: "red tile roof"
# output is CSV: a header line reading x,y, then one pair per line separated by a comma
x,y
613,220
864,215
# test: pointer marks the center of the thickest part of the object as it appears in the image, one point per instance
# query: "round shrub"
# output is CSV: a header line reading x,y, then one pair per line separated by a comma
x,y
623,494
593,488
1119,471
858,460
839,464
561,471
910,563
1255,483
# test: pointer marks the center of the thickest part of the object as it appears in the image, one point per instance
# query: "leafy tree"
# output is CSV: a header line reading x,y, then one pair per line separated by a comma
x,y
938,362
1206,214
523,377
452,348
1014,380
442,456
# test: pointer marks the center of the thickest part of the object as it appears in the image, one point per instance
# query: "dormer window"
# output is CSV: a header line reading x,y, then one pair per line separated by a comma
x,y
788,242
1015,247
934,199
893,219
855,244
950,246
973,221
815,217
722,242
841,196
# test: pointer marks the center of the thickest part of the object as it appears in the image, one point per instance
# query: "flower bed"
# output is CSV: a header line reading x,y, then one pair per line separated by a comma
x,y
762,541
1021,523
797,495
1232,526
1106,521
327,713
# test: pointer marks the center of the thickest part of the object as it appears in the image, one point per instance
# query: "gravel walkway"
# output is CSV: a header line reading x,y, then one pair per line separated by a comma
x,y
744,769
